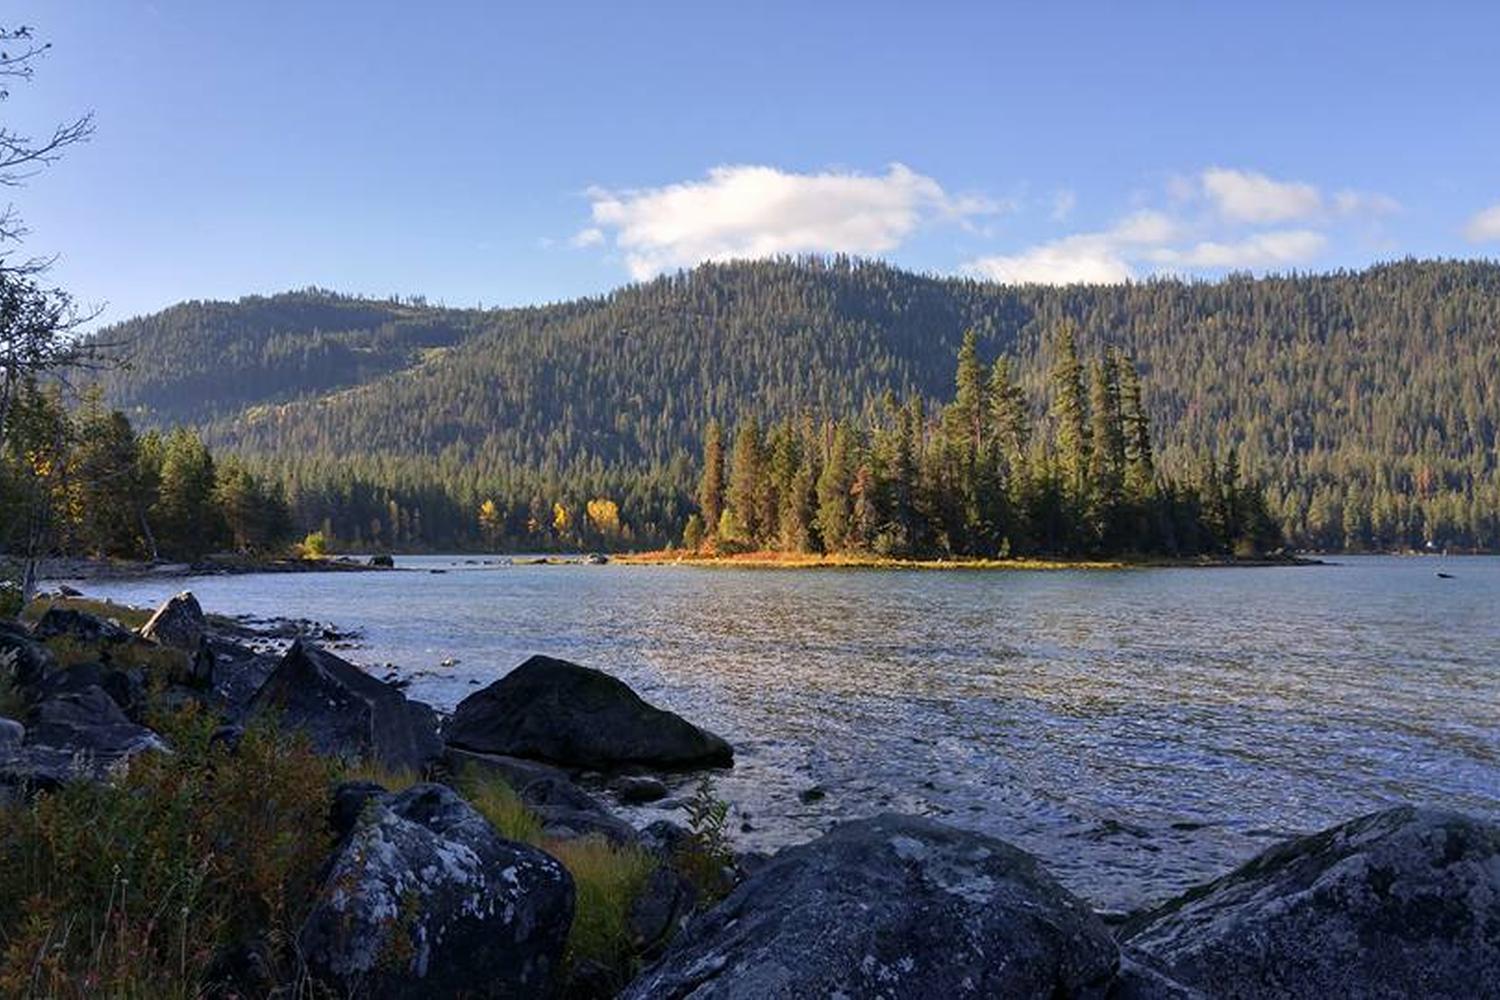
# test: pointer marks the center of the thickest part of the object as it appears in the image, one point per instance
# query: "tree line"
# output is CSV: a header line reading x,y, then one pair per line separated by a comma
x,y
81,481
976,476
1364,401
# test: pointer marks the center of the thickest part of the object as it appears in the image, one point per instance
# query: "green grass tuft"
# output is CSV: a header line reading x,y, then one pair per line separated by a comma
x,y
497,802
368,769
608,878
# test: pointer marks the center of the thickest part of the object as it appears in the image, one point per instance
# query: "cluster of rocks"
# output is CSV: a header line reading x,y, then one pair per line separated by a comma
x,y
1404,902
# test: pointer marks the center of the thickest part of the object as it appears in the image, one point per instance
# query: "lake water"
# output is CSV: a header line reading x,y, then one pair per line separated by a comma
x,y
1138,730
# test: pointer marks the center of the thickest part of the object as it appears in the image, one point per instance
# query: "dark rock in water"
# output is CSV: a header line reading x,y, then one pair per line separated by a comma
x,y
637,791
347,713
894,906
66,591
90,724
29,660
559,711
810,795
567,811
383,561
1400,903
350,798
424,899
596,559
514,771
80,625
178,623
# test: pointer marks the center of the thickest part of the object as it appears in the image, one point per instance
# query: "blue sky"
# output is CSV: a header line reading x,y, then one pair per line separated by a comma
x,y
508,154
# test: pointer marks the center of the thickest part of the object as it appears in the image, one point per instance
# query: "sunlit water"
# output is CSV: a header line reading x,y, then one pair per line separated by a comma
x,y
1138,730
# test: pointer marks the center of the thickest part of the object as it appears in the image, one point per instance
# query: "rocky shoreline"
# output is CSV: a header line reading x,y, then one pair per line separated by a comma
x,y
420,891
56,569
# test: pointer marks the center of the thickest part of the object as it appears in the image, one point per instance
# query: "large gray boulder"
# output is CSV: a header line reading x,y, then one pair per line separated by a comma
x,y
425,899
126,687
1400,903
561,712
235,671
24,660
68,736
347,713
178,623
894,906
88,723
81,626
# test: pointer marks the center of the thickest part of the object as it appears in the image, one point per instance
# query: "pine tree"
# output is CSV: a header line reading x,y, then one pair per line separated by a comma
x,y
1070,420
711,486
185,508
1140,464
1009,417
108,494
1107,457
796,519
968,415
835,483
746,485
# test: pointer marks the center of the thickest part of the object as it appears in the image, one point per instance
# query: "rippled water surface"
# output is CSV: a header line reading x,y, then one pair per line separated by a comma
x,y
1139,730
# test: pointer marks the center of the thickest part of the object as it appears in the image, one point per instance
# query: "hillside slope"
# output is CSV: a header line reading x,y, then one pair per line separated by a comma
x,y
1360,398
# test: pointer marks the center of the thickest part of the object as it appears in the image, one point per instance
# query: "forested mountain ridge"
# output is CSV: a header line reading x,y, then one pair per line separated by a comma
x,y
1367,402
198,360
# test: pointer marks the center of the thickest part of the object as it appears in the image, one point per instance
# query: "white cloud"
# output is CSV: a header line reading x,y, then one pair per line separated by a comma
x,y
1143,228
590,237
1269,249
1246,196
1073,260
757,211
1484,227
1081,259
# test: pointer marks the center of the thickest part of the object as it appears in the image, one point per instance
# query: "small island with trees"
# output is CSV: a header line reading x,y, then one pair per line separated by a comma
x,y
977,483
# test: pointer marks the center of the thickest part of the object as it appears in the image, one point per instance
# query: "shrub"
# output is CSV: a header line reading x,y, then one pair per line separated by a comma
x,y
314,546
127,889
706,858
